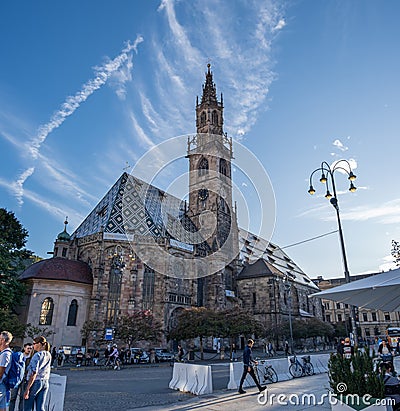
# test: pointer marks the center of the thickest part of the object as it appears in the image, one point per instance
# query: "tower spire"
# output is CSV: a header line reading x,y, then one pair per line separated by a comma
x,y
209,89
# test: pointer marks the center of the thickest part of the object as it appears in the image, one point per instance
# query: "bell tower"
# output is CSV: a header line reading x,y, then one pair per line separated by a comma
x,y
210,197
210,154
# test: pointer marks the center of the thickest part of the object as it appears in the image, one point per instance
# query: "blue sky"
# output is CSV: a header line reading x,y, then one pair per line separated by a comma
x,y
87,86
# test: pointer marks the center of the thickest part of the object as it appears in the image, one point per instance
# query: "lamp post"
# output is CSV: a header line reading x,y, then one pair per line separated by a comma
x,y
328,176
289,296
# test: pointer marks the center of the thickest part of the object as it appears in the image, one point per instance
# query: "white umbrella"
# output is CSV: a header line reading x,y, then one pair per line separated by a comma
x,y
379,292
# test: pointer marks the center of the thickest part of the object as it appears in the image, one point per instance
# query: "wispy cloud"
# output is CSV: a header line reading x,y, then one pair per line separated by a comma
x,y
17,186
72,103
386,213
338,144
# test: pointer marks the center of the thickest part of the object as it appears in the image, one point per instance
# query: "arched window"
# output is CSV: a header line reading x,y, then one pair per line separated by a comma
x,y
72,313
214,118
46,312
203,118
148,288
223,168
203,167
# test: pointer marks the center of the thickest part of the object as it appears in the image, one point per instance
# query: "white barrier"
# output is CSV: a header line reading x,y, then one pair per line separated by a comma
x,y
192,378
281,367
56,393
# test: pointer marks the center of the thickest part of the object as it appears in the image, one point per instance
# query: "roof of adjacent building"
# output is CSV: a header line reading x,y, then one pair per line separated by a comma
x,y
262,258
58,268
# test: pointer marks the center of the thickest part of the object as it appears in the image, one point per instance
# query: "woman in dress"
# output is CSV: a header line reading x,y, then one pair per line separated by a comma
x,y
38,376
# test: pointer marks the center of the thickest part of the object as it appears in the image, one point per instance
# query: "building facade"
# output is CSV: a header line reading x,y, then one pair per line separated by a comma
x,y
141,248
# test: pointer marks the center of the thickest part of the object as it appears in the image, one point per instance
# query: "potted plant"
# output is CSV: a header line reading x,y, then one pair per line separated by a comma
x,y
355,384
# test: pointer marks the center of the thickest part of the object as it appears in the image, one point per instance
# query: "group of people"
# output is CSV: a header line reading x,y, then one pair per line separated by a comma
x,y
32,391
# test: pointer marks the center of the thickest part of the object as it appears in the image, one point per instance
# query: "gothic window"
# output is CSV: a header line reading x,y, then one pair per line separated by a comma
x,y
114,291
72,313
64,252
203,167
214,118
223,168
148,288
200,291
203,118
46,312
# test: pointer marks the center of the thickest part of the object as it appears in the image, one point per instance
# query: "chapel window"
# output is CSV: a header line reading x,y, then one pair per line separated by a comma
x,y
46,312
72,313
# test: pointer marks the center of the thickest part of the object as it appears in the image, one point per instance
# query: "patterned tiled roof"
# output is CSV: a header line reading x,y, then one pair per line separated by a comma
x,y
133,206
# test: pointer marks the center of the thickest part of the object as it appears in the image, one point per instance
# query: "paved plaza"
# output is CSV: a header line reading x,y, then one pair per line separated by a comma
x,y
146,388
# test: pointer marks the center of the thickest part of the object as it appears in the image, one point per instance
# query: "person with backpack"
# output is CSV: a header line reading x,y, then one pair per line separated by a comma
x,y
20,389
38,376
5,364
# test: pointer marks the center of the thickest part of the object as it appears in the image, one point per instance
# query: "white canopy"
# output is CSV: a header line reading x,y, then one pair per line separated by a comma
x,y
379,292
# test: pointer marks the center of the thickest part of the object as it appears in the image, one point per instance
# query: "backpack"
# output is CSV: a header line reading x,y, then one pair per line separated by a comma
x,y
16,372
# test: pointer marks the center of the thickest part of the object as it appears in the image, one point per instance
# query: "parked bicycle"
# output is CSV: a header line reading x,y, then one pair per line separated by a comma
x,y
296,369
265,372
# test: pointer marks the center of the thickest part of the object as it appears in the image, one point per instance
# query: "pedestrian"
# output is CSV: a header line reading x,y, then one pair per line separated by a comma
x,y
96,356
339,347
60,357
233,350
248,368
5,363
38,376
181,353
286,348
152,356
19,391
270,349
53,356
79,358
348,349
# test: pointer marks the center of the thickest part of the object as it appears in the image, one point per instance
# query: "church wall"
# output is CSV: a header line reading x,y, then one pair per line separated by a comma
x,y
62,293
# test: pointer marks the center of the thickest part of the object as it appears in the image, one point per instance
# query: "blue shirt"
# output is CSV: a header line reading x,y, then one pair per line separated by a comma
x,y
247,356
40,364
5,361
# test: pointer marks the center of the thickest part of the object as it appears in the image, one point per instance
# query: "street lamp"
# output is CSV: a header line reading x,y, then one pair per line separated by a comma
x,y
327,177
287,286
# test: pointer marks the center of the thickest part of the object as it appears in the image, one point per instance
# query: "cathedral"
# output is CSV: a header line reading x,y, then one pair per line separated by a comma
x,y
142,248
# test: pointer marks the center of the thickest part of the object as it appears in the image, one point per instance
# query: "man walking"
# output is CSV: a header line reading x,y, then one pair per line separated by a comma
x,y
248,363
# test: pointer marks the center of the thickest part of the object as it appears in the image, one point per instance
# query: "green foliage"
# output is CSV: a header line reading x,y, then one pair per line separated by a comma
x,y
396,252
13,259
308,328
33,331
357,373
93,331
201,322
138,326
9,321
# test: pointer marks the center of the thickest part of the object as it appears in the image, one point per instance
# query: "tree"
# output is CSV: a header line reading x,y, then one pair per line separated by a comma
x,y
92,330
14,258
396,252
202,322
33,331
138,326
9,321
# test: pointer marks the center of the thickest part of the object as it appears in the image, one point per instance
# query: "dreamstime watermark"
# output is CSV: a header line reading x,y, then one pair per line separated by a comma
x,y
196,207
311,399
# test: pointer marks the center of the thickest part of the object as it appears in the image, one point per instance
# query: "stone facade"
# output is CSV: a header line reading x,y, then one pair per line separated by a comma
x,y
135,262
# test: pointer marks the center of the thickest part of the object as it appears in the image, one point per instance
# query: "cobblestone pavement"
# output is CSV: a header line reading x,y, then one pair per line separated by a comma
x,y
133,387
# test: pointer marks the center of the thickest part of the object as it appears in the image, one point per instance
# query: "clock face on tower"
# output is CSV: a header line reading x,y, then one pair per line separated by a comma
x,y
203,194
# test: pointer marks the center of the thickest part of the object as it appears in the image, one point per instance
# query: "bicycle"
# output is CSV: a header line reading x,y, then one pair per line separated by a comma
x,y
265,372
110,363
296,369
